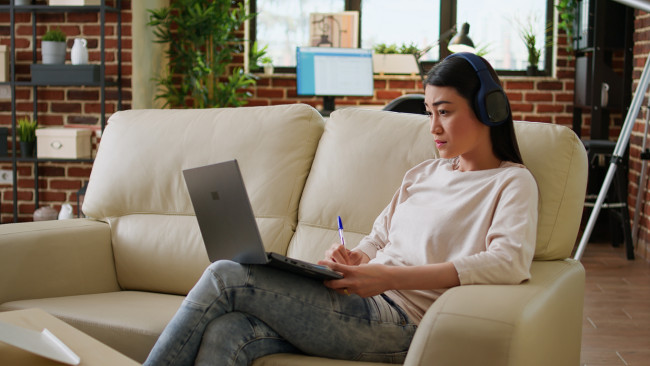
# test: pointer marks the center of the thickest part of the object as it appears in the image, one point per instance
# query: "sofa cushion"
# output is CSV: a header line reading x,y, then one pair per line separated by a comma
x,y
561,175
127,321
137,185
358,166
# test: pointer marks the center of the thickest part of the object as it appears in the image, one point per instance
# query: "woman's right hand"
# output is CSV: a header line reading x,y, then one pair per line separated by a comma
x,y
339,254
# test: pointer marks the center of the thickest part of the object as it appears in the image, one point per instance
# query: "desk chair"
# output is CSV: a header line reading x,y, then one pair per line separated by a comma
x,y
409,103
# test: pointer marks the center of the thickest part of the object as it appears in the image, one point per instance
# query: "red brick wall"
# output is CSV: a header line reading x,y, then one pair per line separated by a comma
x,y
58,106
641,50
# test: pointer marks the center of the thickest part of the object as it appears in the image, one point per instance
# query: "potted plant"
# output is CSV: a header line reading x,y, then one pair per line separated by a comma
x,y
527,35
53,47
394,59
27,135
267,62
203,37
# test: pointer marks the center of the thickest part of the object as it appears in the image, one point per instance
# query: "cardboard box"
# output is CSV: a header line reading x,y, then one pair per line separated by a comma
x,y
4,64
64,74
63,143
74,2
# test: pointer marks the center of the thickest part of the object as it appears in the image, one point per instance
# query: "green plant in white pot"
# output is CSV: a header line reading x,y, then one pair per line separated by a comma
x,y
394,59
53,47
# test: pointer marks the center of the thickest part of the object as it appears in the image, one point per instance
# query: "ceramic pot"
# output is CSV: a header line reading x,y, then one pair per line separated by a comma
x,y
532,71
27,149
53,52
79,52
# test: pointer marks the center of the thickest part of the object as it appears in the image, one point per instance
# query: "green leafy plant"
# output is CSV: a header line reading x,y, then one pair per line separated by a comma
x,y
529,35
26,129
407,49
567,12
202,36
54,35
482,49
257,57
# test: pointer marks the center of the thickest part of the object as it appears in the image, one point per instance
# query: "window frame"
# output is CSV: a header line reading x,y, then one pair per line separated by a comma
x,y
447,20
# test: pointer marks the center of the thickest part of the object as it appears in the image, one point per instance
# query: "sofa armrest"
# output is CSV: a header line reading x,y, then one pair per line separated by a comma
x,y
55,258
536,323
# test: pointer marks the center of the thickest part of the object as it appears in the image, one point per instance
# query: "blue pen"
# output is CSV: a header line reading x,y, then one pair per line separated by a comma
x,y
341,231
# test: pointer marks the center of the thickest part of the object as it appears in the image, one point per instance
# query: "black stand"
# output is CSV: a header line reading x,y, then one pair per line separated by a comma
x,y
328,106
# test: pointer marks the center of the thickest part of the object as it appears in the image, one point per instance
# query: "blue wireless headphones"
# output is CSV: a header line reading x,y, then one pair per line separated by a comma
x,y
491,102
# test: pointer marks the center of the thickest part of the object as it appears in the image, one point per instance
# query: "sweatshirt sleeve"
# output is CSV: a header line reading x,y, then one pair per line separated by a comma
x,y
510,242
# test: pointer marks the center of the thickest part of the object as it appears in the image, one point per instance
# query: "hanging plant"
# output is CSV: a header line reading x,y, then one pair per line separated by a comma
x,y
567,12
202,39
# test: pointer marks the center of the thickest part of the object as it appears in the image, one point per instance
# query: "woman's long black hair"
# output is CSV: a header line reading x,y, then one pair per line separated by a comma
x,y
457,73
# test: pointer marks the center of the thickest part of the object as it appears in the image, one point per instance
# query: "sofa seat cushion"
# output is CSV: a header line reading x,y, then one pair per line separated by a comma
x,y
128,321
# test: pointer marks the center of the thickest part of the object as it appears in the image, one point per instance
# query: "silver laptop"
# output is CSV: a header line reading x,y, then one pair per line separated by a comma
x,y
228,225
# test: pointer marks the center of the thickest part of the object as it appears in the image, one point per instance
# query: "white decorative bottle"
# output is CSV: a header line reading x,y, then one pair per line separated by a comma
x,y
79,52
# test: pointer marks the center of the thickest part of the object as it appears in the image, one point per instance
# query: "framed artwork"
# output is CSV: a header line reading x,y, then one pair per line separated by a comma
x,y
334,29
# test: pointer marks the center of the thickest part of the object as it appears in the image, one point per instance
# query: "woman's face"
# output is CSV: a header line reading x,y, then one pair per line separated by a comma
x,y
456,129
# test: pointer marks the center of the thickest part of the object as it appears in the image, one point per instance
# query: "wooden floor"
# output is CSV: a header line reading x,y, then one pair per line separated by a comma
x,y
616,320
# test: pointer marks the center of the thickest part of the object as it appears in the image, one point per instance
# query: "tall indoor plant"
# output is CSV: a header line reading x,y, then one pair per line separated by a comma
x,y
202,39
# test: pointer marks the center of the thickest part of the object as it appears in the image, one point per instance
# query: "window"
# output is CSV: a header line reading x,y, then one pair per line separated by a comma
x,y
495,27
403,26
283,25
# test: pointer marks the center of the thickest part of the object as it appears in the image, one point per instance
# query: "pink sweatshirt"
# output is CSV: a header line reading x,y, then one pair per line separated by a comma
x,y
484,222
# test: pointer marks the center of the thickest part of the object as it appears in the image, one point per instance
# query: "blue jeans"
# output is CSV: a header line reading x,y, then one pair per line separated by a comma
x,y
238,313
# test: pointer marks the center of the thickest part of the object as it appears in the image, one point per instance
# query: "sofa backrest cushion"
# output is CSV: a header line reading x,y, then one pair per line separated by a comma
x,y
558,160
137,185
363,155
359,164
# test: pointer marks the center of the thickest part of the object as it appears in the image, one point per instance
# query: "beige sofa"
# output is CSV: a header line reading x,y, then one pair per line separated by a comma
x,y
121,275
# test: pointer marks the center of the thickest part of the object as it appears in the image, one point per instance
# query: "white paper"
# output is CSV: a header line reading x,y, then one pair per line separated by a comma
x,y
44,344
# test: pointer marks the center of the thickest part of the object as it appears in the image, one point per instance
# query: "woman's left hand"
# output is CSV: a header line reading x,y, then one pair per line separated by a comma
x,y
364,280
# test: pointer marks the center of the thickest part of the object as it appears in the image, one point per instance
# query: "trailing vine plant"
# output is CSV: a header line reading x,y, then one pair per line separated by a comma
x,y
202,37
567,12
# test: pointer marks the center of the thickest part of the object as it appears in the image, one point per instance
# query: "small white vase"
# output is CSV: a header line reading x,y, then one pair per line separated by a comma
x,y
79,52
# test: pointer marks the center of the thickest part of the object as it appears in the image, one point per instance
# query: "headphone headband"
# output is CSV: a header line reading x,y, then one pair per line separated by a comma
x,y
491,101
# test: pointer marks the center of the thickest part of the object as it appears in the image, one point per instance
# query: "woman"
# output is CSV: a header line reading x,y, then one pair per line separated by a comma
x,y
467,218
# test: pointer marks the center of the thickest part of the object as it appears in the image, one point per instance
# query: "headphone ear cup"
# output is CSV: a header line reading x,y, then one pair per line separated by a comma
x,y
490,103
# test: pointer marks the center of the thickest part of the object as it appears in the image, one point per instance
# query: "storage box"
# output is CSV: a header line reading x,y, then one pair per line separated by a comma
x,y
74,2
4,64
64,74
63,143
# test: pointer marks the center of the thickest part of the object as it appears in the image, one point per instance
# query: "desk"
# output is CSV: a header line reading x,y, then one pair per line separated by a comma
x,y
91,351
